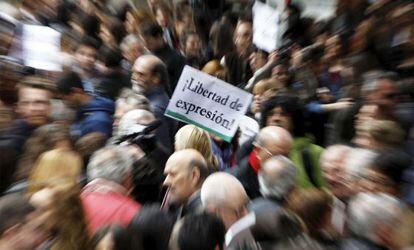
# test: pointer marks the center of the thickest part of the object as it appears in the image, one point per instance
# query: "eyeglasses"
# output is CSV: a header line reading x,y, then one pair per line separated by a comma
x,y
267,151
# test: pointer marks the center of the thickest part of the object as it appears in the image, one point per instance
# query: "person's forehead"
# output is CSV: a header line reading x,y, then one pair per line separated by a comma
x,y
27,92
243,28
176,164
86,49
142,65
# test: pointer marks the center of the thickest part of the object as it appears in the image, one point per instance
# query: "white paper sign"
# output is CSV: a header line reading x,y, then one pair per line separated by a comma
x,y
208,103
41,47
265,26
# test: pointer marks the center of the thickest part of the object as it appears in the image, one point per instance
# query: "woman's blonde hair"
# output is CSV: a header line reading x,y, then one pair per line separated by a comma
x,y
193,137
214,68
267,85
55,167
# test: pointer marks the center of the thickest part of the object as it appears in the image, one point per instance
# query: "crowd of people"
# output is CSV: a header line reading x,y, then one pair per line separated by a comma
x,y
322,159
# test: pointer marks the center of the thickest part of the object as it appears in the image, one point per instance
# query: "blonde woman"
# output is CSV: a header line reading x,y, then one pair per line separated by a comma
x,y
55,167
193,137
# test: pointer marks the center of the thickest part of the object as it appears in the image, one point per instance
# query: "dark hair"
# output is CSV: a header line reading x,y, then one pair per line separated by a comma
x,y
151,29
148,178
111,57
154,227
88,41
392,163
13,210
221,37
290,105
90,24
68,81
202,232
161,69
117,30
120,237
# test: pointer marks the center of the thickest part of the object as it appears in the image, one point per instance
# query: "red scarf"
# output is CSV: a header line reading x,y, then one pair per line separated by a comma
x,y
254,161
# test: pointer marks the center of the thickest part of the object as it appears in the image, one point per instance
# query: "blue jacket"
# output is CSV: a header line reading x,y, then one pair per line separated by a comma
x,y
95,116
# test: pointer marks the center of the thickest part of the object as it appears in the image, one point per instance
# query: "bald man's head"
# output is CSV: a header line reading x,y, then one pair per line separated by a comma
x,y
149,71
224,195
185,172
272,141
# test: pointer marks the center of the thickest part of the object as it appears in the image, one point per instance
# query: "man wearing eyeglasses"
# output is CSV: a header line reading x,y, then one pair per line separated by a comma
x,y
271,141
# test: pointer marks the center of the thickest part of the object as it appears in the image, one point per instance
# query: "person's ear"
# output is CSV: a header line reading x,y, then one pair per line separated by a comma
x,y
156,78
195,174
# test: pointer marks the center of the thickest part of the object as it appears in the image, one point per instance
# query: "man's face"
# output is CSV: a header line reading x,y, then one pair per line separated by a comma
x,y
34,105
277,117
179,179
142,74
86,57
243,37
385,96
193,45
336,176
280,72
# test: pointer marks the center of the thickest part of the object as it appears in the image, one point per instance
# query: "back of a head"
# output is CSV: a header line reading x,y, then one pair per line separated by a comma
x,y
133,99
220,188
278,177
392,163
120,237
312,206
368,211
193,137
277,137
68,81
111,163
13,210
110,57
134,121
151,29
154,227
55,167
201,231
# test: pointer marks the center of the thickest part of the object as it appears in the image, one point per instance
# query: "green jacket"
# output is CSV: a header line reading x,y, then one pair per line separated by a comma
x,y
315,151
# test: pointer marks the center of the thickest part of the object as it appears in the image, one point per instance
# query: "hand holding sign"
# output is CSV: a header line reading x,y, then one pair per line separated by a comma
x,y
208,103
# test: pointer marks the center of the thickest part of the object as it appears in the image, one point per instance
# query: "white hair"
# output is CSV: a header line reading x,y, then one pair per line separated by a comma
x,y
110,163
280,185
368,210
358,160
219,187
128,41
134,121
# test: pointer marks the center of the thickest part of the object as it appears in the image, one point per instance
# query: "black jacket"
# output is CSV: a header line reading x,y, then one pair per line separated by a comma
x,y
248,178
175,63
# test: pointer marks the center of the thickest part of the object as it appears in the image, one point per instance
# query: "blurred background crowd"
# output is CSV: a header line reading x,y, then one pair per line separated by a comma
x,y
321,160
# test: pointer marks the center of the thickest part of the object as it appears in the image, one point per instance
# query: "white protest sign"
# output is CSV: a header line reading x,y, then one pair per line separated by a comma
x,y
41,47
265,26
208,103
